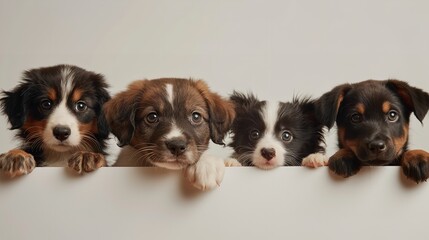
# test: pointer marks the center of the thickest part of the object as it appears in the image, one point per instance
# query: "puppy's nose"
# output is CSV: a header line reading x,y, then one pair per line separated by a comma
x,y
176,146
268,153
377,146
61,132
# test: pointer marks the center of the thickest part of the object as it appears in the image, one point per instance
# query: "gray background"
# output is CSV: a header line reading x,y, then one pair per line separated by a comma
x,y
276,49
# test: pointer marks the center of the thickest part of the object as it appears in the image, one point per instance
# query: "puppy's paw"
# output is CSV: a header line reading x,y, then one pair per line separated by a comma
x,y
232,162
207,173
415,165
344,163
16,163
86,161
315,160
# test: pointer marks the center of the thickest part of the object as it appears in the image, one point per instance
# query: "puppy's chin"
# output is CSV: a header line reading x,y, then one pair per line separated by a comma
x,y
60,148
174,165
262,163
376,160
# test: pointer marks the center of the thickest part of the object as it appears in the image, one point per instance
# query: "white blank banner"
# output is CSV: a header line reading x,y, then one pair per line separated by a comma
x,y
150,203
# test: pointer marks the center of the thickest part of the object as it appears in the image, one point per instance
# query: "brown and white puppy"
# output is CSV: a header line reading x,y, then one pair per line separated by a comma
x,y
168,123
373,125
58,114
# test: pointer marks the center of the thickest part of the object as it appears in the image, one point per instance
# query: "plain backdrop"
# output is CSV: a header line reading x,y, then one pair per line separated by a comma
x,y
276,49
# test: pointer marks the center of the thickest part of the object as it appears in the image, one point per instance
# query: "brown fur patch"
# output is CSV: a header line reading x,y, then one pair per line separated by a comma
x,y
77,95
52,94
34,128
16,162
386,107
88,127
360,108
414,154
401,141
343,153
346,144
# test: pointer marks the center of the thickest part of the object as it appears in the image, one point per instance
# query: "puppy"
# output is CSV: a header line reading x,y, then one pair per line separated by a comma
x,y
58,114
271,134
169,122
373,124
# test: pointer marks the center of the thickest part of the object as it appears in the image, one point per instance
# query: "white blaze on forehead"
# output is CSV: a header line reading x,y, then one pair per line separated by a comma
x,y
270,116
67,78
175,132
169,89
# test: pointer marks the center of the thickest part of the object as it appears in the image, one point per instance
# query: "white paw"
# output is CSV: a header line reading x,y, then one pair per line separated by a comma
x,y
315,160
232,162
207,173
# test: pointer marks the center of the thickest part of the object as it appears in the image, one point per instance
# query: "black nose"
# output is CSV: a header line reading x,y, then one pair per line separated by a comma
x,y
176,146
62,132
377,146
268,153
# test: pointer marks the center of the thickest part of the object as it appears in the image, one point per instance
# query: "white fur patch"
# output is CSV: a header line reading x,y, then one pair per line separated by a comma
x,y
269,139
169,89
315,160
175,132
67,78
207,173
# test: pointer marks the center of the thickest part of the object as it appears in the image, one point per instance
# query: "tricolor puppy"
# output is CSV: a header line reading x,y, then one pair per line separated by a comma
x,y
272,134
168,123
373,121
58,114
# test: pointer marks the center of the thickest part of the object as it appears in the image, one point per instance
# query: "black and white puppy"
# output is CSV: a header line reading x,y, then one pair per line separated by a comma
x,y
58,114
271,134
168,123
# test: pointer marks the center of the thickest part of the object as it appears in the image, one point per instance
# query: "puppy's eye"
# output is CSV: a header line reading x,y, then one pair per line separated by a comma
x,y
152,118
356,118
46,104
196,118
287,136
81,106
254,135
392,116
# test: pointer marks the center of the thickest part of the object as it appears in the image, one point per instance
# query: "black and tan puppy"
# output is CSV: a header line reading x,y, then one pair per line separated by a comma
x,y
373,124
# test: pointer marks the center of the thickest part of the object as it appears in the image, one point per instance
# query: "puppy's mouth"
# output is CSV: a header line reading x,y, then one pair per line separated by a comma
x,y
172,164
60,147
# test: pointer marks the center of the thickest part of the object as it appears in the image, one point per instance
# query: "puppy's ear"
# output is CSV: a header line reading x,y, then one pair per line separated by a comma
x,y
120,112
415,99
102,97
221,113
242,102
328,104
13,105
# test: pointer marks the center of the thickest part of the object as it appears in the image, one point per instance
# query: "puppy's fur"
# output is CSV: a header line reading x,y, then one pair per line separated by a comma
x,y
58,114
373,124
271,134
169,122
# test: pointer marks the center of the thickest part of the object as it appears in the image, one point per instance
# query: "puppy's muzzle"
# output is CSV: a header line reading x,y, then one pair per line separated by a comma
x,y
177,146
61,132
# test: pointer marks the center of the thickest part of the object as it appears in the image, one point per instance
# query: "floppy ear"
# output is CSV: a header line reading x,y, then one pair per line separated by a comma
x,y
221,113
327,105
414,99
120,112
102,97
12,104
